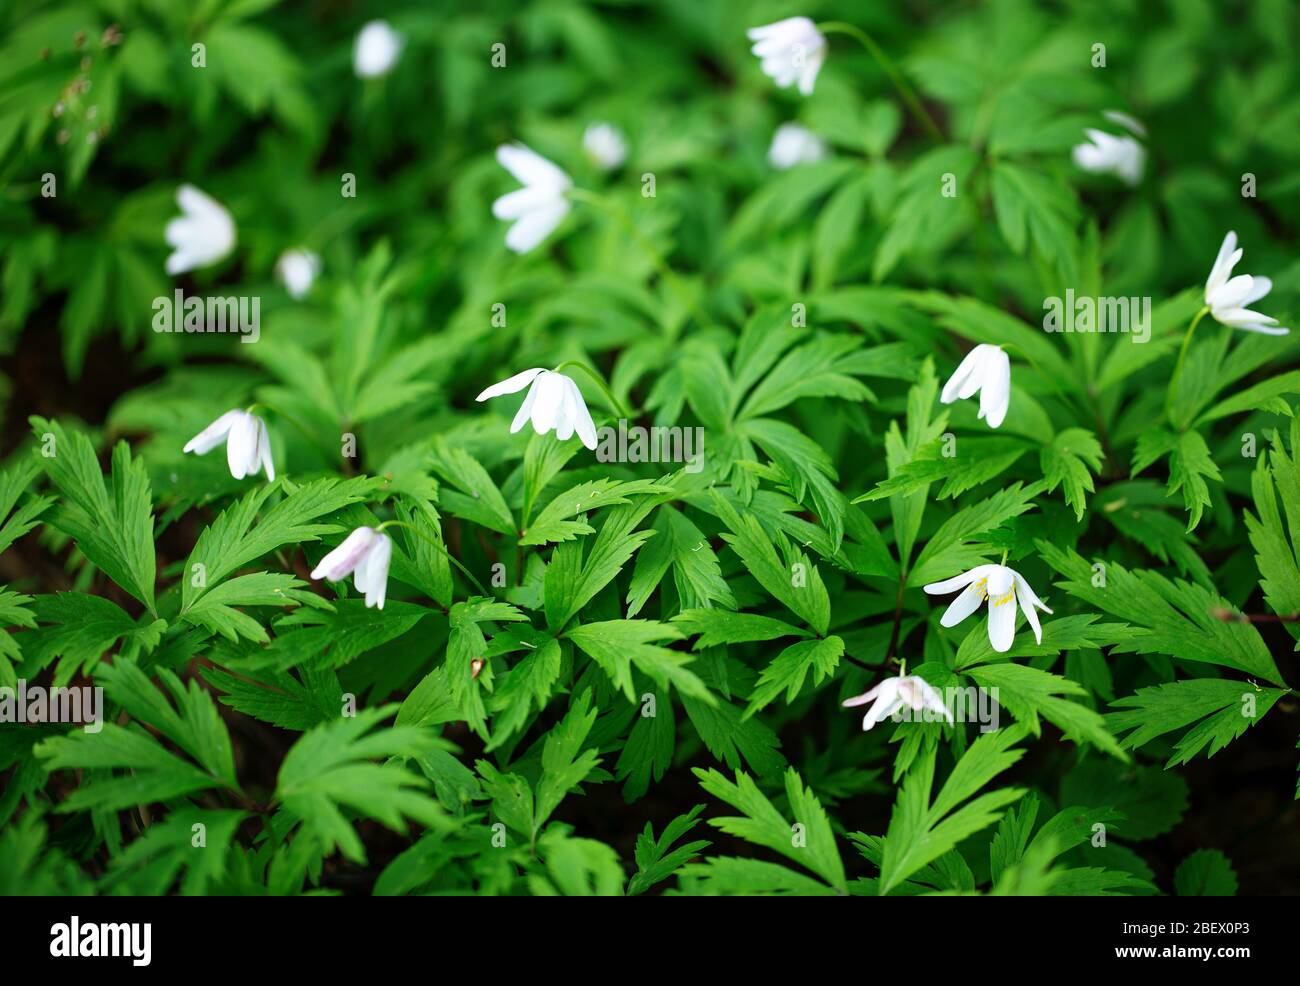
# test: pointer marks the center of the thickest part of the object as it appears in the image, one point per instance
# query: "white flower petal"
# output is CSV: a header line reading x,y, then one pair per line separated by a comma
x,y
1002,622
958,581
1223,263
995,396
241,446
533,227
511,384
963,605
338,563
214,434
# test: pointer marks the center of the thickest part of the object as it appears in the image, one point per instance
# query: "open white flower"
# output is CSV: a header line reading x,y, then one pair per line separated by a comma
x,y
792,49
793,144
1228,296
366,552
201,236
1003,587
248,447
605,146
986,369
376,50
893,693
553,401
1123,156
540,205
297,269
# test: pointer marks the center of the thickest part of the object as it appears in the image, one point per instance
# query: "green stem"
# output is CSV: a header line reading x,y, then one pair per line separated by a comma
x,y
1178,367
614,402
450,557
327,452
666,273
890,69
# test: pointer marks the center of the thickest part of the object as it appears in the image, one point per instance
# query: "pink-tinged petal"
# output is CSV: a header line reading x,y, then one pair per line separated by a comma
x,y
213,435
931,699
864,698
372,572
345,558
509,386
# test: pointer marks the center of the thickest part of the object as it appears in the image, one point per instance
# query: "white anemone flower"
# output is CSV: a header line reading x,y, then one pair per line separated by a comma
x,y
376,50
248,447
204,233
793,144
605,146
1002,587
553,401
297,269
986,369
1227,297
893,694
540,205
365,552
1122,156
791,50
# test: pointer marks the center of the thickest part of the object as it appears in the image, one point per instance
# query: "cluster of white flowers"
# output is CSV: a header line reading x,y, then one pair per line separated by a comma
x,y
792,51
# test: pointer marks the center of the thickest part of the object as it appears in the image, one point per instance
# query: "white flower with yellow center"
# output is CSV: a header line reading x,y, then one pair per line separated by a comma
x,y
1001,588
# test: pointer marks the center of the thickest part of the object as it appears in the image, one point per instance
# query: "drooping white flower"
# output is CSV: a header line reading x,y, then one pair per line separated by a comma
x,y
1002,587
892,694
1123,156
248,446
376,50
793,144
201,236
605,146
297,269
986,369
540,205
1228,296
791,50
366,552
553,401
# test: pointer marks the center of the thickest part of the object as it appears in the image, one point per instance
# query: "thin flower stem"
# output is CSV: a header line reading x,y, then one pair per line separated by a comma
x,y
450,557
1178,367
666,273
1003,562
614,402
1055,384
891,70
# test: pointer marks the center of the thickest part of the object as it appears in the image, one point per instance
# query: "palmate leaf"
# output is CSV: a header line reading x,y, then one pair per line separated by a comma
x,y
921,830
238,537
808,600
113,526
329,771
678,544
13,613
13,482
1231,708
572,581
1172,617
734,740
552,524
1070,461
618,646
81,629
189,843
808,840
1277,477
1206,873
1190,465
154,774
654,860
788,670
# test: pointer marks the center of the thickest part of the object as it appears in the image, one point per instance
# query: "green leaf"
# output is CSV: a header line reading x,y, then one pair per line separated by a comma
x,y
620,645
788,670
1205,873
112,527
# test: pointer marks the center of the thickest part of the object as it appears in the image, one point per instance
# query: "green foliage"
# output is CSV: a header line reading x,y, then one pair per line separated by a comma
x,y
585,659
